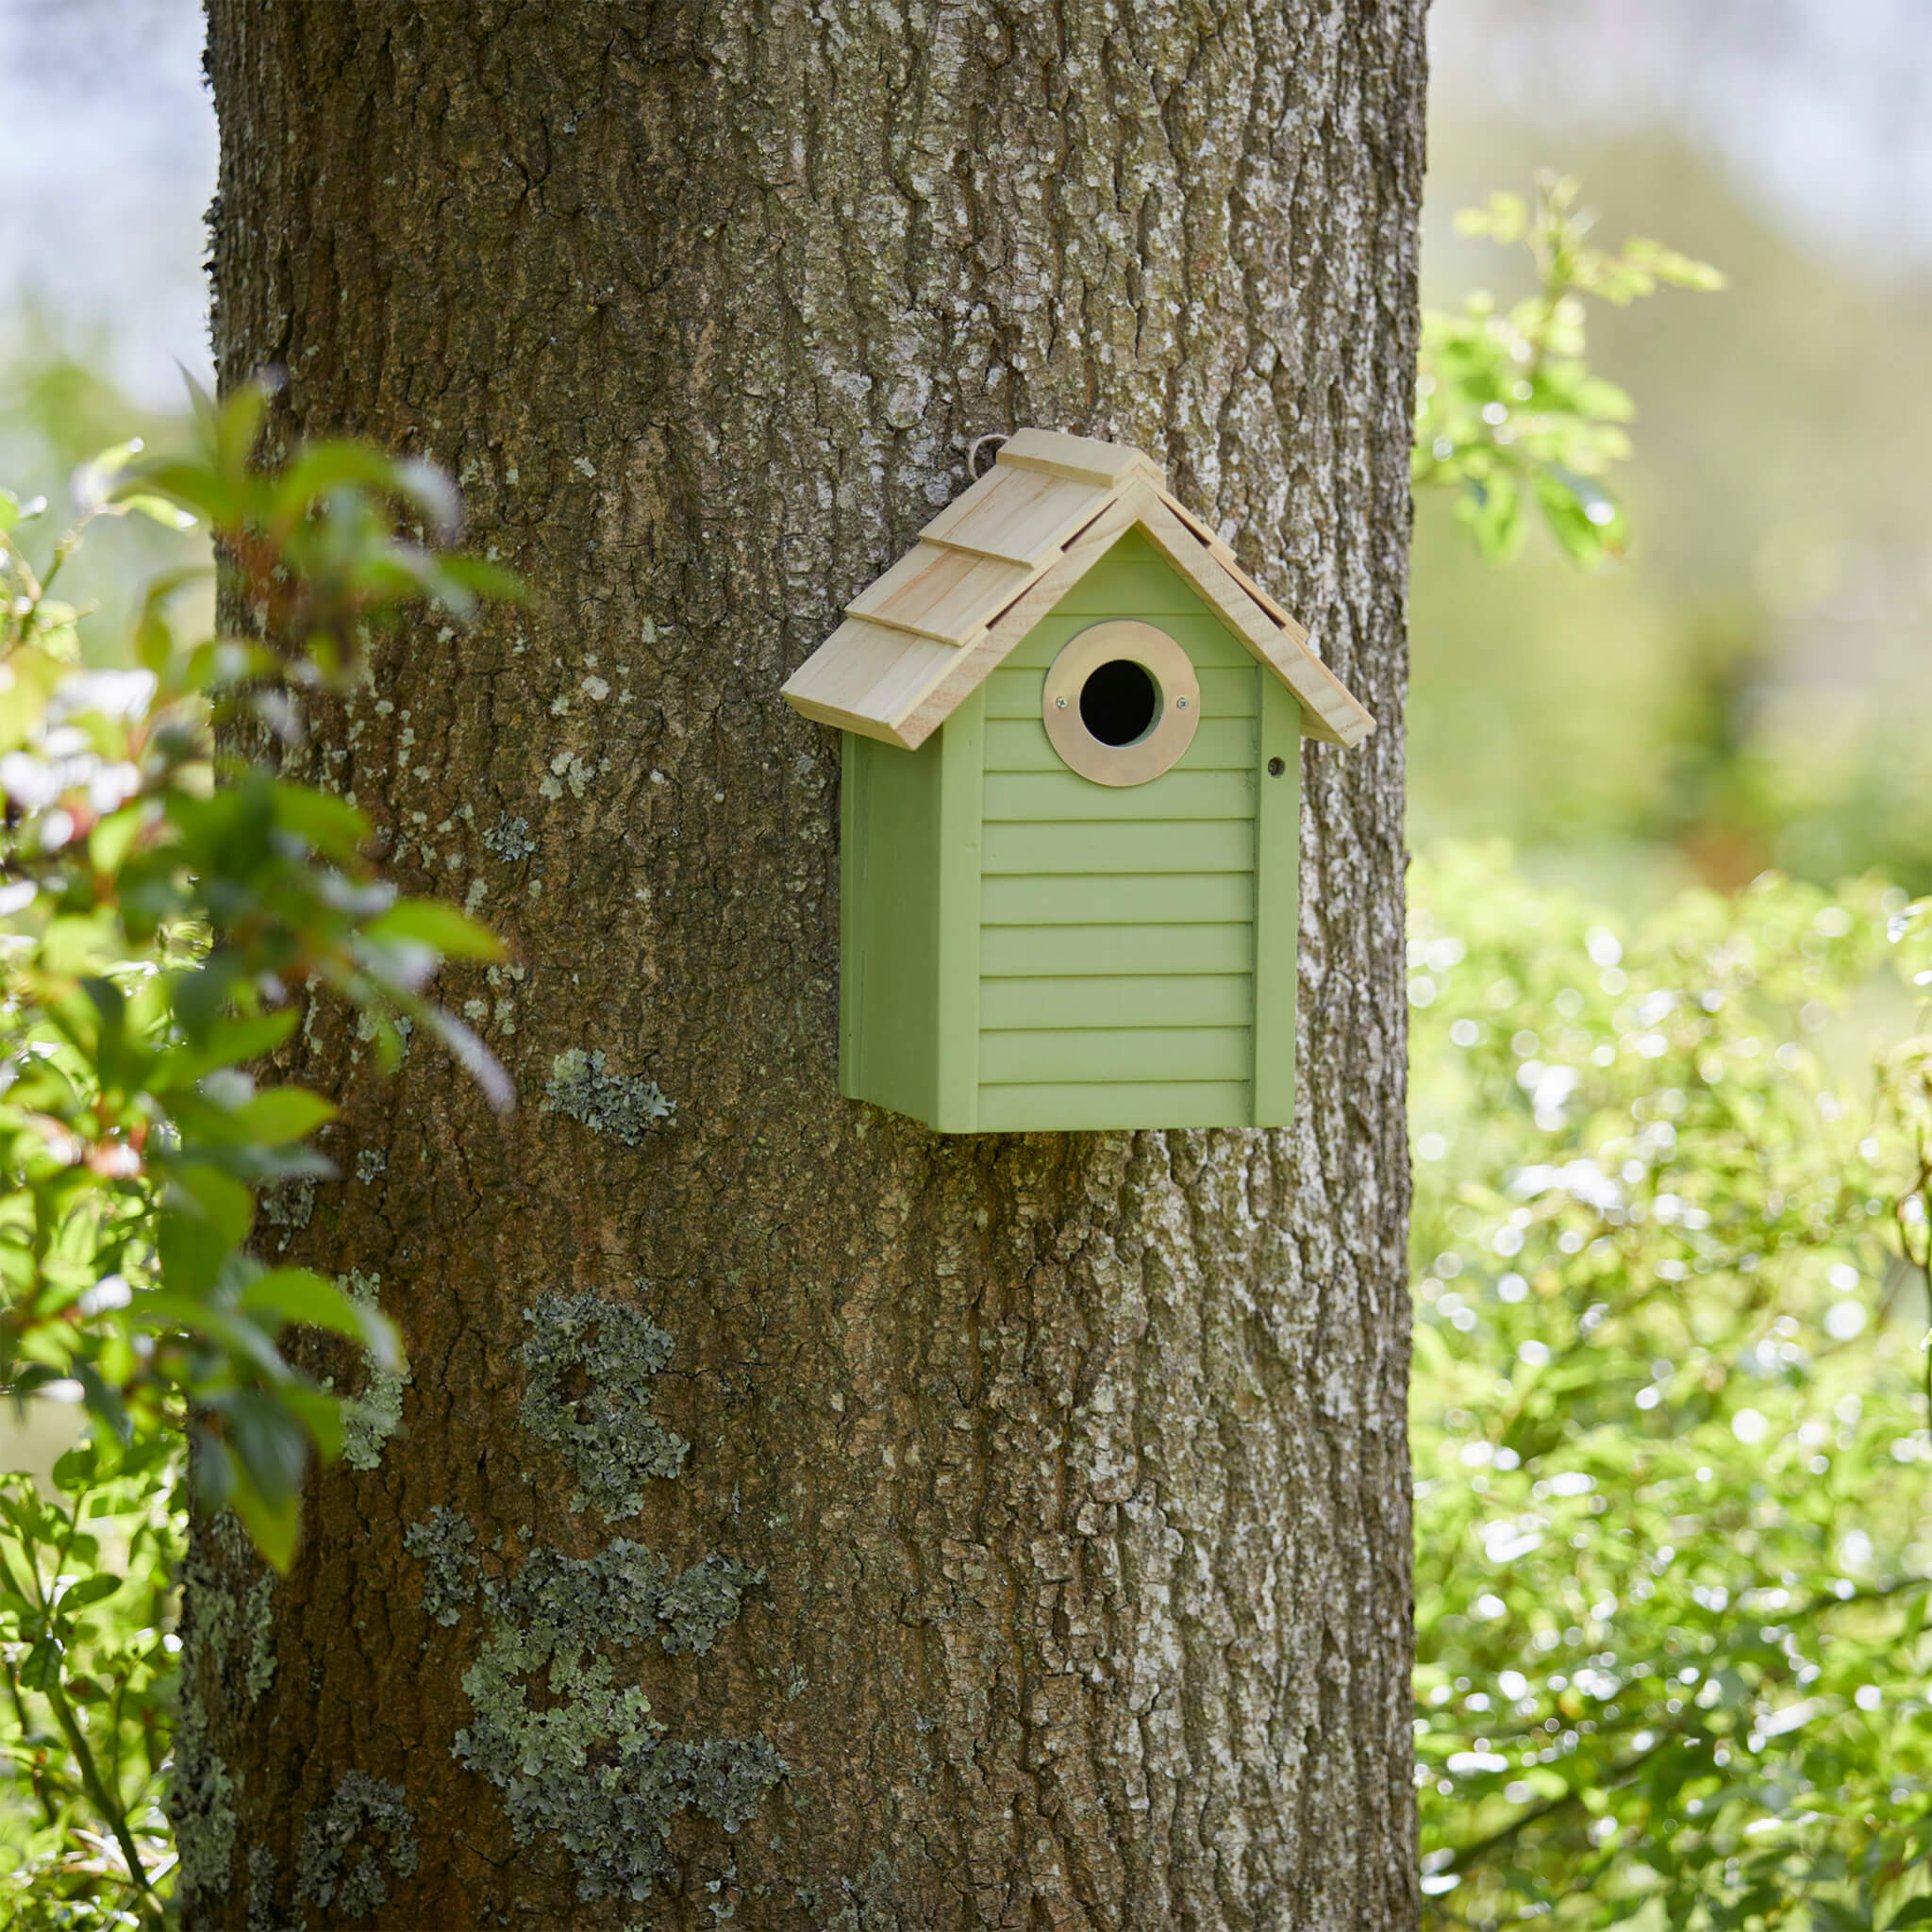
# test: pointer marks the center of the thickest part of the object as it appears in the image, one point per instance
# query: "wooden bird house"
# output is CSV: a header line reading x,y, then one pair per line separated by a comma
x,y
1071,818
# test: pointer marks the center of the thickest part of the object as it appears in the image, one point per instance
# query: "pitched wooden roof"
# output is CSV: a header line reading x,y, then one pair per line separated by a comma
x,y
996,560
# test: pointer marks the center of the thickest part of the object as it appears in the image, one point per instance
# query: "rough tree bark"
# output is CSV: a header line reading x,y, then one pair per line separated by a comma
x,y
793,1514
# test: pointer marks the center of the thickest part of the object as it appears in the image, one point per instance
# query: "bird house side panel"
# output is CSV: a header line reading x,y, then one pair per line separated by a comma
x,y
888,927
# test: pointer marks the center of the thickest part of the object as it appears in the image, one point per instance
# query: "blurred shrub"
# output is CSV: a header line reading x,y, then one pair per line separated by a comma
x,y
169,908
88,1591
1673,1526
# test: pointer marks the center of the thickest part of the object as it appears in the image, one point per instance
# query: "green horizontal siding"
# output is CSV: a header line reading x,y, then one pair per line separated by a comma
x,y
1039,797
1020,745
1117,936
1117,899
1118,1000
1118,1056
1064,1107
1008,952
1156,845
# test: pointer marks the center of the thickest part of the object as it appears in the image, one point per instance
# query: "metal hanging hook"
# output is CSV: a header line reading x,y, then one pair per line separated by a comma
x,y
973,470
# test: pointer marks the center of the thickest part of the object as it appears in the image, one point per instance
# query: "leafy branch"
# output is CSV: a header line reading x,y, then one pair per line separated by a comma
x,y
171,907
1507,411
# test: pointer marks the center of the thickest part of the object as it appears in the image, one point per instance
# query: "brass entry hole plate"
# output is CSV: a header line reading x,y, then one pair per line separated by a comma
x,y
1176,711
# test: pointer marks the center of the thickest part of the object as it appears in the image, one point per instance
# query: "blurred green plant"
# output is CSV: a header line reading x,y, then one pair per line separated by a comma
x,y
1507,411
87,1588
170,907
1673,1532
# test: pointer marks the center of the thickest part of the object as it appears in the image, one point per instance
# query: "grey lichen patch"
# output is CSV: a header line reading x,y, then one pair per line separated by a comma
x,y
626,1106
201,1804
288,1204
590,1367
701,1603
201,1790
260,1902
572,1747
371,1162
352,1845
260,1616
509,839
446,1545
370,1418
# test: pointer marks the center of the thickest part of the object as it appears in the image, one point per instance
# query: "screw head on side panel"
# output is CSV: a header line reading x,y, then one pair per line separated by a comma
x,y
1180,704
1061,703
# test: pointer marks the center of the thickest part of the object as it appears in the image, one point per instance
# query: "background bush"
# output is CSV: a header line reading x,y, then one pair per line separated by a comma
x,y
1672,1524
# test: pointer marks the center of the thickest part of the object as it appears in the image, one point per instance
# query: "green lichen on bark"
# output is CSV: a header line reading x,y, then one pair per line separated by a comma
x,y
261,1634
625,1107
201,1804
372,1418
262,1916
288,1204
446,1545
201,1791
509,839
573,1747
352,1845
590,1366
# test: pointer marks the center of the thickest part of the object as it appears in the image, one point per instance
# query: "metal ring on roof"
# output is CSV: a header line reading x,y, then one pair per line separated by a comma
x,y
1103,723
978,444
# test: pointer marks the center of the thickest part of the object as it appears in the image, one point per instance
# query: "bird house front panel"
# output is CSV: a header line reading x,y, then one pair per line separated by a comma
x,y
1029,948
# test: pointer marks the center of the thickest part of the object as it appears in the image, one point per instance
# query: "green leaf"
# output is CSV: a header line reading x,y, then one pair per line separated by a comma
x,y
41,1671
89,1589
205,1217
484,579
1825,1913
330,825
273,1524
432,922
277,1115
75,1471
298,1294
171,516
1917,1912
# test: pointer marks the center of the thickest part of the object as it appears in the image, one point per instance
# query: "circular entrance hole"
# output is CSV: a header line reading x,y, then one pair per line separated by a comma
x,y
1119,701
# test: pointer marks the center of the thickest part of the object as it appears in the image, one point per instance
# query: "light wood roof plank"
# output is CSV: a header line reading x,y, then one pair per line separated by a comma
x,y
867,678
977,661
1334,714
1023,520
1080,458
1225,557
937,592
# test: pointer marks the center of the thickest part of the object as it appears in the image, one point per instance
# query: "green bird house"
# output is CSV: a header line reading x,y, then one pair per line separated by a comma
x,y
1071,819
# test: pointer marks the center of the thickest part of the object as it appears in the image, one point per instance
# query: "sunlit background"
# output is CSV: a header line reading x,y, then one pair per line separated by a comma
x,y
1752,688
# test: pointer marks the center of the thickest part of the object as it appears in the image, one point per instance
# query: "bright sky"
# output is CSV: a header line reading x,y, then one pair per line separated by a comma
x,y
1821,108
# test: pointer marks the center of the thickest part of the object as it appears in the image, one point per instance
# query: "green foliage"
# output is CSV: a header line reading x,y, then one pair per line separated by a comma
x,y
1506,407
1673,1534
170,907
87,1588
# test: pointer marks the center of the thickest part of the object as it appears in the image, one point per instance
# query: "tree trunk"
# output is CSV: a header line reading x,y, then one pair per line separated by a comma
x,y
793,1515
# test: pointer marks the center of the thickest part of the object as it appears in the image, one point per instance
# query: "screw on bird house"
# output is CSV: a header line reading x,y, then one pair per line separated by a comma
x,y
1067,900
